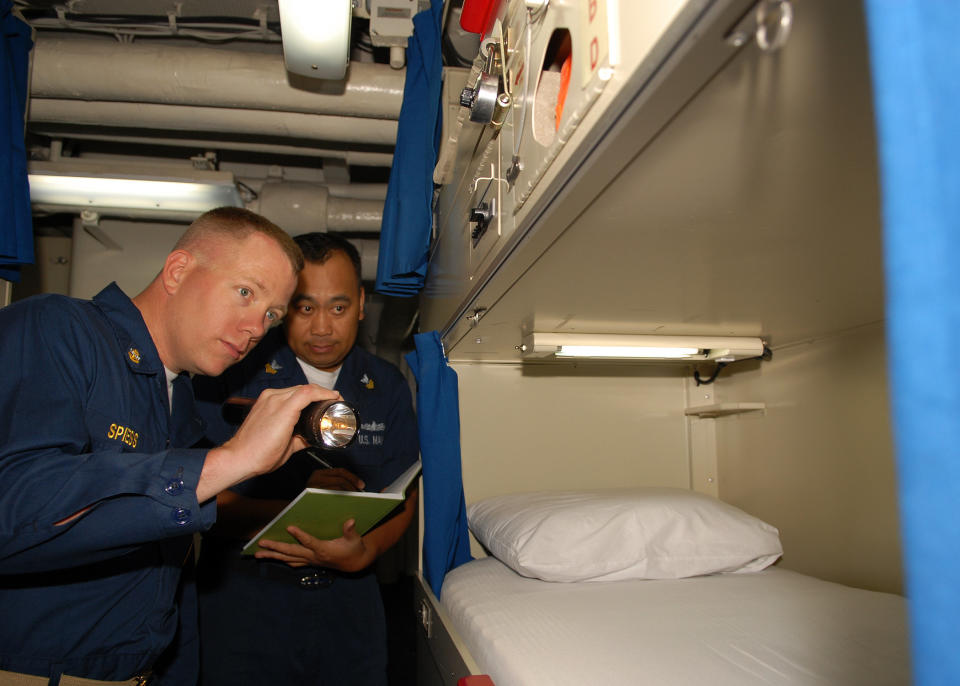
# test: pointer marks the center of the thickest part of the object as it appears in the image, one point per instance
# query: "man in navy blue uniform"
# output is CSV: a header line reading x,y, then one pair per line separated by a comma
x,y
101,490
307,613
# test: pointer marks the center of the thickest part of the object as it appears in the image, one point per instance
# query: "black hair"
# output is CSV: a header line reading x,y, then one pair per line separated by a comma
x,y
318,247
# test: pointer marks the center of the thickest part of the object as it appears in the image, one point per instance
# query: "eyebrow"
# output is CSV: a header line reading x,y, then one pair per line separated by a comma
x,y
303,297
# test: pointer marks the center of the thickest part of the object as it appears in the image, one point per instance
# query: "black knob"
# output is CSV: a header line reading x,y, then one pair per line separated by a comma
x,y
481,214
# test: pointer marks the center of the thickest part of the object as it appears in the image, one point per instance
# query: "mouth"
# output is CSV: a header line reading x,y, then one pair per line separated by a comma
x,y
235,351
324,349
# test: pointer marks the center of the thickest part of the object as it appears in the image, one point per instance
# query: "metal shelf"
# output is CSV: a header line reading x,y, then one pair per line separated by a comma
x,y
723,409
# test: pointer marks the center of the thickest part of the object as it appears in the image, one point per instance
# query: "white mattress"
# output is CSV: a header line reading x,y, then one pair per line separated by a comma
x,y
770,627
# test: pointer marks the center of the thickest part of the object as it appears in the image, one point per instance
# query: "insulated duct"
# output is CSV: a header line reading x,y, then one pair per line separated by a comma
x,y
300,207
369,254
213,120
148,72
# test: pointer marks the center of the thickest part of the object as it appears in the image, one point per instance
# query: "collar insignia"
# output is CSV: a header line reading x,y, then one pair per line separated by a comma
x,y
272,367
134,355
367,382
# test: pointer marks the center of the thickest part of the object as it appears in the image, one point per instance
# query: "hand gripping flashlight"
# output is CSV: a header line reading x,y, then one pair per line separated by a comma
x,y
322,424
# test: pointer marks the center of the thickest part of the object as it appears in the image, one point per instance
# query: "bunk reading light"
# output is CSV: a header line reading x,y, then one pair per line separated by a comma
x,y
316,37
79,192
324,424
640,347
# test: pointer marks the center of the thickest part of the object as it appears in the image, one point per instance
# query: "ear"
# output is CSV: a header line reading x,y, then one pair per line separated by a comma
x,y
175,270
362,300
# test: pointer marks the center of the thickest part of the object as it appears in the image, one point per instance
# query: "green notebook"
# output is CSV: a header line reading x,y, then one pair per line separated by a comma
x,y
322,513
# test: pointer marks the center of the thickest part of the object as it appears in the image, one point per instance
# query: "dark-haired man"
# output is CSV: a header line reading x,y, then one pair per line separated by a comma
x,y
101,490
308,612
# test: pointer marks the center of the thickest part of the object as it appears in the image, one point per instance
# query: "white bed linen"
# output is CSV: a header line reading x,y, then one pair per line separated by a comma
x,y
769,627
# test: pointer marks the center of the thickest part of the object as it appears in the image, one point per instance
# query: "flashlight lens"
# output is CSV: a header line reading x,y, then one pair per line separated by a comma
x,y
338,425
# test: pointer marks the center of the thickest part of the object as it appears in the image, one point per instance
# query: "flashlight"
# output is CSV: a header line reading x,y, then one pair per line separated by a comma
x,y
328,423
323,424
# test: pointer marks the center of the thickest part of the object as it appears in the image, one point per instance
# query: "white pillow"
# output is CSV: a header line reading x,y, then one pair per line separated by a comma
x,y
641,533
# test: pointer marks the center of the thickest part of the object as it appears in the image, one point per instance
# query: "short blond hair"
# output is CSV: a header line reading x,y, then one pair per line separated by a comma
x,y
238,223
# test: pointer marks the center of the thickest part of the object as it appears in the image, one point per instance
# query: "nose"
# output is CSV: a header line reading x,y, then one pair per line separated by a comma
x,y
255,324
320,323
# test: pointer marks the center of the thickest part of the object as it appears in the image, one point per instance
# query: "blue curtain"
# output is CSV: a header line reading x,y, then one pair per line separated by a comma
x,y
446,543
16,229
407,210
915,58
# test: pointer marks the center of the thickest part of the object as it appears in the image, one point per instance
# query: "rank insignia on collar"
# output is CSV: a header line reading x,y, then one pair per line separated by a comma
x,y
367,382
134,355
272,367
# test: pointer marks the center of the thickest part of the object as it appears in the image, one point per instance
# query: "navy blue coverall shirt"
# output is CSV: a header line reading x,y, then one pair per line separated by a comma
x,y
86,428
329,629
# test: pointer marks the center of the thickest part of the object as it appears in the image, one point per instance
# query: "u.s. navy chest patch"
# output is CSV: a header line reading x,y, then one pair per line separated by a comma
x,y
371,433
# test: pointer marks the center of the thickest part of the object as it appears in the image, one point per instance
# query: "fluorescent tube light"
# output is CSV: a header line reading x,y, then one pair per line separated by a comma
x,y
640,347
625,351
80,192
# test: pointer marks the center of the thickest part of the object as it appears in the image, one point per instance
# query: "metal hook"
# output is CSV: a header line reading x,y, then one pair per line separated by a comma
x,y
766,41
770,31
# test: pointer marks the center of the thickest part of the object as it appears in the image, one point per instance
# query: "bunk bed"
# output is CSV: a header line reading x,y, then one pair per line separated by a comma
x,y
651,586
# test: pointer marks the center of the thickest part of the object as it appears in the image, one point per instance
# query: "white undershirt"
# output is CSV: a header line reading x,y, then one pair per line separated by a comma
x,y
314,375
170,377
318,376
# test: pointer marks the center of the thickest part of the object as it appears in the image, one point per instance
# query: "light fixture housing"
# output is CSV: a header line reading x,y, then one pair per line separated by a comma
x,y
544,346
175,193
316,37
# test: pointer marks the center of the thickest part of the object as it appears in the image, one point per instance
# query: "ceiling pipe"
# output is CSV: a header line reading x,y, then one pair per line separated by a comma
x,y
214,120
300,207
369,254
295,207
351,157
368,191
150,72
354,214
